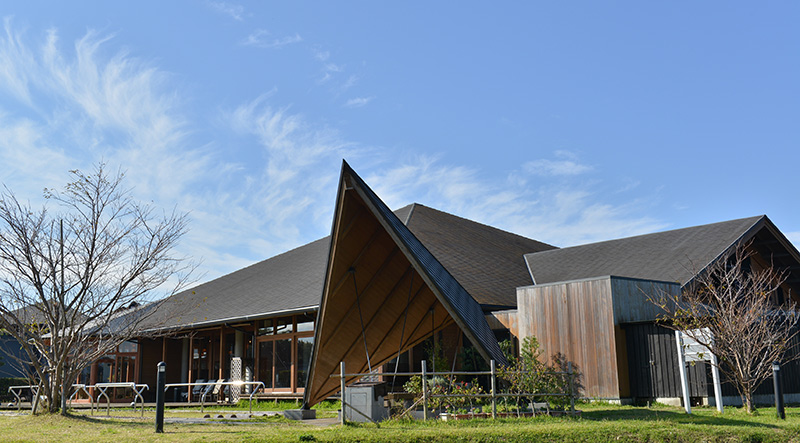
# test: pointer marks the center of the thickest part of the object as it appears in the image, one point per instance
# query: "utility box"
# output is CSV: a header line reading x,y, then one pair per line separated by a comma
x,y
367,398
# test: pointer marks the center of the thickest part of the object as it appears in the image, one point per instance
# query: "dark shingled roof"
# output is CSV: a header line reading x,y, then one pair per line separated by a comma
x,y
284,283
486,261
665,256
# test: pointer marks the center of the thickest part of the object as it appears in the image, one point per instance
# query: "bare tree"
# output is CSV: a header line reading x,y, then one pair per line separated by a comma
x,y
77,283
738,303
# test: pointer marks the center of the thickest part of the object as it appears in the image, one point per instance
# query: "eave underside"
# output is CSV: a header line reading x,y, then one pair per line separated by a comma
x,y
370,283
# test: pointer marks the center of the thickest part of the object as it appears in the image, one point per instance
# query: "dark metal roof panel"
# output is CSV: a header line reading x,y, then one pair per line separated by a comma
x,y
675,255
284,282
488,262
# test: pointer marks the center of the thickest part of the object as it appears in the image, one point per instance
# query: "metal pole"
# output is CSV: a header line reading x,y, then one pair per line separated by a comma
x,y
494,389
687,405
571,386
717,384
160,392
776,377
342,381
424,392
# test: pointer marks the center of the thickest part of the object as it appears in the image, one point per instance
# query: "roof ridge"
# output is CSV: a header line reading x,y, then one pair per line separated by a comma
x,y
410,212
484,225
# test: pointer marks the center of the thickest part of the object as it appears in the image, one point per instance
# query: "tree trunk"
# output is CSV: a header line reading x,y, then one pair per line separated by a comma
x,y
64,393
748,402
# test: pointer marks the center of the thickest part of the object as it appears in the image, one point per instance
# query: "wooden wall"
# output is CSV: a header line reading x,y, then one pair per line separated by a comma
x,y
582,319
576,319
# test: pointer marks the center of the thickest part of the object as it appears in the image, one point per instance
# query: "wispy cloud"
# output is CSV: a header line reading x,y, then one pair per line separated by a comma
x,y
565,164
261,38
358,102
567,214
233,10
69,108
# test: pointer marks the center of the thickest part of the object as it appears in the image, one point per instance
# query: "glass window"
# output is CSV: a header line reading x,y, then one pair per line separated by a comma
x,y
304,345
305,323
283,363
265,362
104,370
283,325
125,368
128,346
266,327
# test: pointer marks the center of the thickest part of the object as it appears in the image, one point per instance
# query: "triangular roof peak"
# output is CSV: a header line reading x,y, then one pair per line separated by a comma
x,y
384,292
677,255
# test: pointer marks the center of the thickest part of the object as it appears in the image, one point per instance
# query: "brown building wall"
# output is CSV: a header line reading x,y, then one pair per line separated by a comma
x,y
575,319
582,320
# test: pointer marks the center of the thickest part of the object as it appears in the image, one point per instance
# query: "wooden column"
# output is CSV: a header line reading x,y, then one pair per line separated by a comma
x,y
163,348
221,346
191,364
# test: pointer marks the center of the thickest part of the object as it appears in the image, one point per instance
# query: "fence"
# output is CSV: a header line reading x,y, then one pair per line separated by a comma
x,y
427,393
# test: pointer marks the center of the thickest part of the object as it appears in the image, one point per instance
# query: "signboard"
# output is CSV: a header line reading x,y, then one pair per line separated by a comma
x,y
690,350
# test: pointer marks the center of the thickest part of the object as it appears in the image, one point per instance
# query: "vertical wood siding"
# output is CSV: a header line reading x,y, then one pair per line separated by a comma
x,y
575,319
653,364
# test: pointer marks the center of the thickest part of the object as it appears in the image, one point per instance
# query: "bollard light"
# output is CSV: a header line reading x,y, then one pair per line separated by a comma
x,y
161,381
776,378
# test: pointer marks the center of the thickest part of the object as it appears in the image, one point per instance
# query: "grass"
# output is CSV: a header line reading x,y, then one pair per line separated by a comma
x,y
599,423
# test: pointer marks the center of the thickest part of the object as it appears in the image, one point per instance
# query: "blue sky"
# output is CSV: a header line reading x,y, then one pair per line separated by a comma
x,y
568,122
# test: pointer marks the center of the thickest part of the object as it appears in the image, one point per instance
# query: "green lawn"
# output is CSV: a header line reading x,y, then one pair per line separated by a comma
x,y
599,423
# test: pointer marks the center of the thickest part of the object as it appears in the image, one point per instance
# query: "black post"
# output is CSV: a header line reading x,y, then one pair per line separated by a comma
x,y
160,382
776,377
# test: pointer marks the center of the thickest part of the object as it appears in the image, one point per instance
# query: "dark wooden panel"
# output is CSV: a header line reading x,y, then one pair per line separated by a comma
x,y
653,364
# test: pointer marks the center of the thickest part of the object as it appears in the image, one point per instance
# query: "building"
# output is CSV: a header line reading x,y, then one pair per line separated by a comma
x,y
386,282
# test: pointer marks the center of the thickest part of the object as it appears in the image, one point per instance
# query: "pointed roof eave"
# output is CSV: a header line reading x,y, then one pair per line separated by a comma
x,y
460,306
763,223
466,312
748,234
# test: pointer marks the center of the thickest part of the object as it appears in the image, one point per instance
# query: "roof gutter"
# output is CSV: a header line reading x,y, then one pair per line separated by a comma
x,y
224,321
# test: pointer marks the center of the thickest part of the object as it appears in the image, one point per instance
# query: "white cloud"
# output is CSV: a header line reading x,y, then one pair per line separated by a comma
x,y
66,109
566,215
566,164
261,38
358,102
235,11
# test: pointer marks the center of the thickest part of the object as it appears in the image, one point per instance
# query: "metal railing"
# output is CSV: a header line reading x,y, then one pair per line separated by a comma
x,y
34,393
101,387
215,384
426,394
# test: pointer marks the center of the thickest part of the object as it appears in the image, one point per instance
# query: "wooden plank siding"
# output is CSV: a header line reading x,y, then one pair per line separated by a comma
x,y
583,320
575,319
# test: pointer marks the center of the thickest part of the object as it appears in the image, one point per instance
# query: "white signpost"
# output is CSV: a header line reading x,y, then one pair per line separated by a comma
x,y
689,350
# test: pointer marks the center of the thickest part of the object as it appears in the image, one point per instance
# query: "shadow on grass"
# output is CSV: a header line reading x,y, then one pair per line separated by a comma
x,y
672,416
